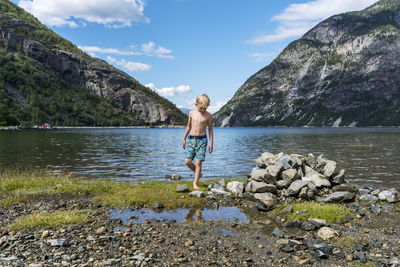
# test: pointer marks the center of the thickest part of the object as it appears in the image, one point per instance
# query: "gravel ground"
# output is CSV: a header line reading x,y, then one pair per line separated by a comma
x,y
372,238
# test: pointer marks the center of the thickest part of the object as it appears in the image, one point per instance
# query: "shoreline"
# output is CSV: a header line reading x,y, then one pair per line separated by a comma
x,y
370,236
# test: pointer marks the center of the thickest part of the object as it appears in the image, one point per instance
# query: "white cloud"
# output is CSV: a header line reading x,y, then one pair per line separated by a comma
x,y
297,19
263,56
169,91
214,108
129,65
111,13
149,49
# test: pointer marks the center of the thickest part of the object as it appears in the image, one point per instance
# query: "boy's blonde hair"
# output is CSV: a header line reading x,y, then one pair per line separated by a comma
x,y
203,101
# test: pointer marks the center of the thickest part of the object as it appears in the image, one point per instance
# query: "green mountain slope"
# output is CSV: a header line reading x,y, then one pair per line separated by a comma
x,y
343,72
46,78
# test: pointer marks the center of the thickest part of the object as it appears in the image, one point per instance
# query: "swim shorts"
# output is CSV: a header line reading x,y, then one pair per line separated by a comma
x,y
196,147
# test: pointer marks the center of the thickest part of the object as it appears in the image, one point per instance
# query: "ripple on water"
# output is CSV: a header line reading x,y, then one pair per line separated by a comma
x,y
226,214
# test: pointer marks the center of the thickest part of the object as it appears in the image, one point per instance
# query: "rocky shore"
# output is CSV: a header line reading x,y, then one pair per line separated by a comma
x,y
369,235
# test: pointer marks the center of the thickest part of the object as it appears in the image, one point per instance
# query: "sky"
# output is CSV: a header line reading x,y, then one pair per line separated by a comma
x,y
183,48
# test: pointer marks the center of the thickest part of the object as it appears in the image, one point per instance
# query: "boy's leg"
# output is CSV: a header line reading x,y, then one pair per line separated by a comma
x,y
190,164
197,173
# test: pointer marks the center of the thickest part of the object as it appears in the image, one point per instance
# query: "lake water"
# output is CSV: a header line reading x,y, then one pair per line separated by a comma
x,y
369,155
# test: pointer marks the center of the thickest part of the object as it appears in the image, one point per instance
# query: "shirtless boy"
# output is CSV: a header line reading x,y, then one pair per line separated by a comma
x,y
199,119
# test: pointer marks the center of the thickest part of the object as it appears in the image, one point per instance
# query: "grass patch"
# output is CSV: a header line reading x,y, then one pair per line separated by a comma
x,y
34,181
51,219
333,213
346,242
20,186
23,186
125,195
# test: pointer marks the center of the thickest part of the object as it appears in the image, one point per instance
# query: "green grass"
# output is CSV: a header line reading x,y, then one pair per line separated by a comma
x,y
24,186
346,242
51,219
333,213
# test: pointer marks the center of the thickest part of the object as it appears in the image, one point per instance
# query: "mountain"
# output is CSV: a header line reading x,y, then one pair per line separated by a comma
x,y
343,72
46,78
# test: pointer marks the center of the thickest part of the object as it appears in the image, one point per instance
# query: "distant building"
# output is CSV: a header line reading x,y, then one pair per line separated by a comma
x,y
46,126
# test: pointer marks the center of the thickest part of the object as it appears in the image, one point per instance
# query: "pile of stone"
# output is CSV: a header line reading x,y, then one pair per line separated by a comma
x,y
281,177
308,177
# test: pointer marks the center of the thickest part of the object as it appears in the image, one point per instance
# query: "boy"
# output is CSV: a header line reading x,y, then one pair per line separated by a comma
x,y
199,119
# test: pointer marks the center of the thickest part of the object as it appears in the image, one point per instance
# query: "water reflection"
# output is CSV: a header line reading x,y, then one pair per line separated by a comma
x,y
368,154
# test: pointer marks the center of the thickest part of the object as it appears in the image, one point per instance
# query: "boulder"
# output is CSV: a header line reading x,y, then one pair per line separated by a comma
x,y
268,199
281,184
329,168
344,187
340,196
259,187
303,193
368,198
258,174
391,195
273,171
218,193
197,193
296,186
215,185
318,179
235,187
290,175
182,188
266,157
339,178
286,162
311,161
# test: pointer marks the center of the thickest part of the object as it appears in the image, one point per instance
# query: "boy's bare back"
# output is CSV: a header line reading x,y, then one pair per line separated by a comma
x,y
199,122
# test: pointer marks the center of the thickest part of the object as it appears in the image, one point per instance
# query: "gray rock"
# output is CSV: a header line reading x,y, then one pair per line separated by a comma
x,y
290,175
300,212
361,191
222,182
288,209
258,174
296,186
303,193
175,177
181,188
339,178
217,193
368,198
315,177
344,187
281,184
391,195
56,242
307,226
8,259
261,207
286,162
340,196
311,161
273,171
235,187
197,193
259,187
101,230
268,199
317,222
329,168
215,185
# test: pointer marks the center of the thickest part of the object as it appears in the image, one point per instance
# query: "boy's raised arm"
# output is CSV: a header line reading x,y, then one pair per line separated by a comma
x,y
188,127
210,134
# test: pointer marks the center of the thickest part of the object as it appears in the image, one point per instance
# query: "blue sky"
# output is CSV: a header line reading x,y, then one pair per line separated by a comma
x,y
182,48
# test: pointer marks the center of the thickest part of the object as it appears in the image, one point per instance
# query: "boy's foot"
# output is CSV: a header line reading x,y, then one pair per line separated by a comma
x,y
195,187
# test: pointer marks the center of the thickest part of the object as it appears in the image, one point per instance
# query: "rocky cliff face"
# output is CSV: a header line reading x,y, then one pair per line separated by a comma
x,y
72,66
343,72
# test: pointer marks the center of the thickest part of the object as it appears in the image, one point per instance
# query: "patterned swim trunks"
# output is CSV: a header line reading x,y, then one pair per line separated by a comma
x,y
196,147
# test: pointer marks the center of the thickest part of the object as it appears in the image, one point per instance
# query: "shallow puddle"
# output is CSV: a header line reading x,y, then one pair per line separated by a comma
x,y
226,214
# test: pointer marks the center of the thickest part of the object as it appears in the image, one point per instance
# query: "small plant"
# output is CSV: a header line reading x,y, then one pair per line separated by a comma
x,y
51,219
333,213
